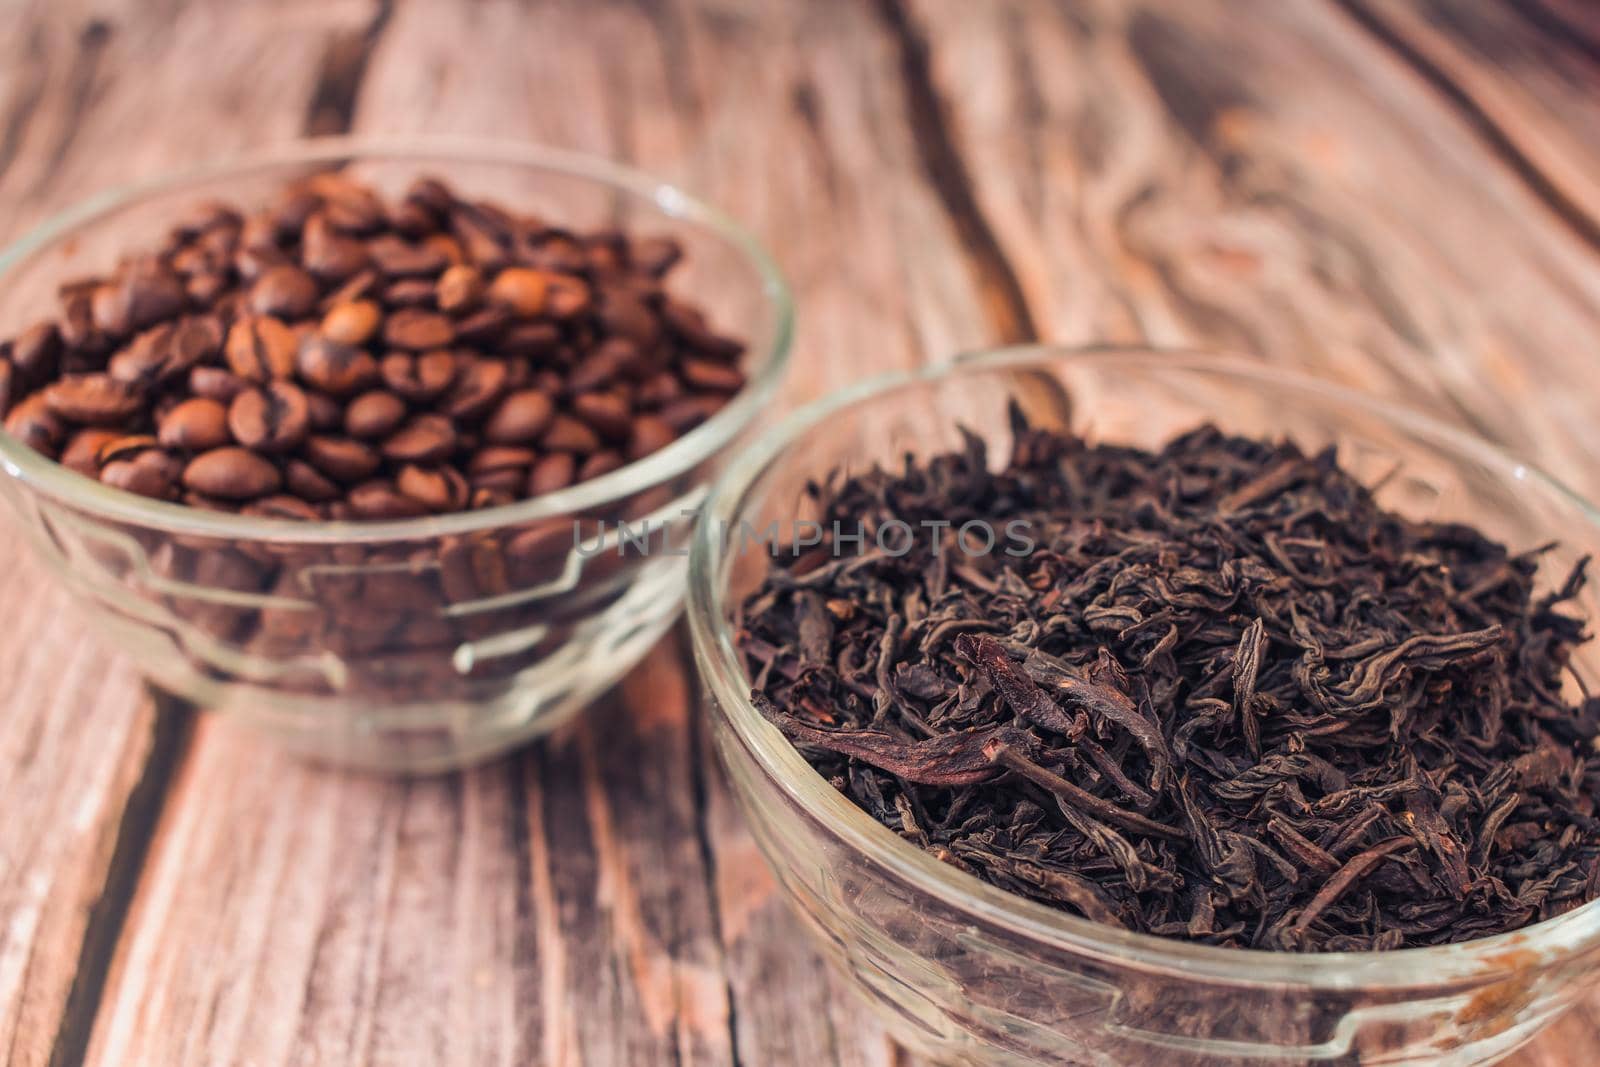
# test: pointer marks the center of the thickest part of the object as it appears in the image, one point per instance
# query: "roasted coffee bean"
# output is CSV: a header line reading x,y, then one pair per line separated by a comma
x,y
340,458
325,412
260,348
329,254
417,330
424,439
567,434
399,258
285,292
531,340
35,352
690,324
97,399
688,412
32,422
500,457
127,446
624,314
199,424
658,390
275,418
231,473
9,387
519,418
483,327
710,376
566,297
598,464
148,473
381,500
336,368
348,205
305,481
354,323
607,413
419,378
478,387
362,286
282,506
655,255
373,415
436,488
460,289
649,433
147,293
521,290
509,480
612,358
82,453
214,383
410,293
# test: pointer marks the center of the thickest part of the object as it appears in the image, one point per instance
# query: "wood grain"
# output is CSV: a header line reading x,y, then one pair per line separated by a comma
x,y
1401,196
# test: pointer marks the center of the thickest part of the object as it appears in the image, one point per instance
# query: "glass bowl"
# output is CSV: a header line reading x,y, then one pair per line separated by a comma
x,y
963,972
400,645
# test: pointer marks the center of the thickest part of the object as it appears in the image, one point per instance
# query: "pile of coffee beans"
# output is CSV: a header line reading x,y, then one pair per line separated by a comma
x,y
335,356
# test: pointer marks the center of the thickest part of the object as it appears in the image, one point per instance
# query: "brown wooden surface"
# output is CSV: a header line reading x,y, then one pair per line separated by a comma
x,y
1401,194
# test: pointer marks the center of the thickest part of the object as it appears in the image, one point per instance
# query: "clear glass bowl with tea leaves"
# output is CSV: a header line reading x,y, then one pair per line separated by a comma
x,y
1117,701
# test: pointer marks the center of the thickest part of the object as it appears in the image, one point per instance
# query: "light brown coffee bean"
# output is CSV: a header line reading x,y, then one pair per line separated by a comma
x,y
275,418
198,424
32,422
650,433
217,384
353,323
553,471
460,289
284,292
82,453
567,434
340,458
478,387
607,413
439,489
335,368
417,330
373,415
231,473
711,376
305,481
424,439
519,418
410,293
380,500
419,378
260,348
97,399
520,289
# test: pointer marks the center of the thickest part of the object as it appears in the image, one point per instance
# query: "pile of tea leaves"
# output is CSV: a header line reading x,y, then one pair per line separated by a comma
x,y
1226,697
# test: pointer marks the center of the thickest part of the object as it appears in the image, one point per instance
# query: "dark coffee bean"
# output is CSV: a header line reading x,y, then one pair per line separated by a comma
x,y
354,323
399,258
32,422
146,294
260,348
275,418
292,211
168,350
412,219
650,433
436,488
329,254
82,453
531,340
324,411
690,324
500,457
432,194
214,383
410,293
460,289
483,327
231,473
478,387
142,359
148,473
418,330
196,425
336,368
127,446
607,413
362,286
688,412
375,414
425,439
509,480
285,292
598,464
347,205
624,314
98,399
340,458
380,500
305,481
419,378
197,339
553,471
711,376
519,418
567,434
613,358
35,352
282,506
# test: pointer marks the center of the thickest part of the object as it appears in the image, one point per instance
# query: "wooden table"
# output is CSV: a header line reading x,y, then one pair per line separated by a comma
x,y
1399,194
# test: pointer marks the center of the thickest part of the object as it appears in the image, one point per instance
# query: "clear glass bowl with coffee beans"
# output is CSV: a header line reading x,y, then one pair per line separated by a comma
x,y
390,449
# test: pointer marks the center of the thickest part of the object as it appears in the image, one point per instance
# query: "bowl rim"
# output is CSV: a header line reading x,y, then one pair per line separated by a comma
x,y
47,476
1483,959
